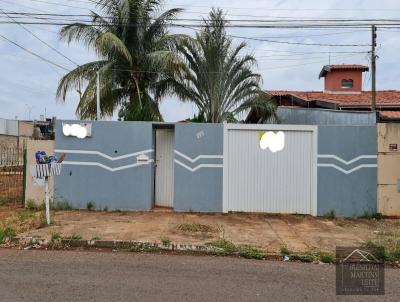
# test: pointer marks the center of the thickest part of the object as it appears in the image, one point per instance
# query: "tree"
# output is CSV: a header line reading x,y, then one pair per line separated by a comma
x,y
136,53
218,80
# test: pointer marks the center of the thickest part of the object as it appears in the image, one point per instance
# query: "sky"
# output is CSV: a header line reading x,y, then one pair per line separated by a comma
x,y
28,85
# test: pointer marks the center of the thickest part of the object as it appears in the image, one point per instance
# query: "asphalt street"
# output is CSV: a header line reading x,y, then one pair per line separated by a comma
x,y
105,276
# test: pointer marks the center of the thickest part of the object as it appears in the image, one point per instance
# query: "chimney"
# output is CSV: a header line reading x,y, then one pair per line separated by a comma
x,y
343,79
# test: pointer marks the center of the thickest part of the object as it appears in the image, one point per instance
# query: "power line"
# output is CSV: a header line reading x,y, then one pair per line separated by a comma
x,y
284,9
60,4
38,38
22,5
299,43
290,19
292,43
33,53
249,26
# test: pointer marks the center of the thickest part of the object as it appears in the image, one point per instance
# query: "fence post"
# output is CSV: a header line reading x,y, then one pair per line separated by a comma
x,y
24,175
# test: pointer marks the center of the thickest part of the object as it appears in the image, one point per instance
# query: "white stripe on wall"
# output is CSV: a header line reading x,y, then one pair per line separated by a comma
x,y
347,171
347,162
94,152
198,166
193,160
89,163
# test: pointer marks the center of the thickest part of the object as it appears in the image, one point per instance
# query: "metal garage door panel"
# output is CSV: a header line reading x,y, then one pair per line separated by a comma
x,y
262,181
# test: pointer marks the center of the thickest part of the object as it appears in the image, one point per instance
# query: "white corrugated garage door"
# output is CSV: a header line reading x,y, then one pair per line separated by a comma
x,y
257,180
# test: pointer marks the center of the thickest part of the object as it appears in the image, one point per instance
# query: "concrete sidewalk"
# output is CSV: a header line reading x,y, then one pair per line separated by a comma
x,y
269,232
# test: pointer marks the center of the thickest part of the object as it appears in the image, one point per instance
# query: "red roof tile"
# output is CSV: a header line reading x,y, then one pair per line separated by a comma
x,y
329,68
384,97
390,114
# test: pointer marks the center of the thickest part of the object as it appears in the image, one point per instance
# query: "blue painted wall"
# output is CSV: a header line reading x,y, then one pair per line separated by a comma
x,y
128,189
348,193
199,190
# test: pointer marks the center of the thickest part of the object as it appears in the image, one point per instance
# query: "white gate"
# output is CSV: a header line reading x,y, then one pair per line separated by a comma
x,y
164,180
259,180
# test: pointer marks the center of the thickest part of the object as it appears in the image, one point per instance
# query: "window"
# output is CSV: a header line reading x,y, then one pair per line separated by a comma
x,y
347,83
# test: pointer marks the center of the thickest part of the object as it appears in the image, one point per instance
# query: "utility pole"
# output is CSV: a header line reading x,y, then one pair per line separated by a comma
x,y
98,96
373,69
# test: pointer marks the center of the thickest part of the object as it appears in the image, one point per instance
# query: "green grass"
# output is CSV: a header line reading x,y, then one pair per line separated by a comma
x,y
303,257
330,215
62,206
250,252
307,256
196,228
225,247
372,215
285,251
326,257
55,241
90,206
33,206
6,233
165,241
385,250
228,248
43,220
26,214
73,237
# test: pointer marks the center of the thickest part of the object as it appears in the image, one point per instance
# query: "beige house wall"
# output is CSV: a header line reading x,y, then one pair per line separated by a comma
x,y
34,192
25,128
388,169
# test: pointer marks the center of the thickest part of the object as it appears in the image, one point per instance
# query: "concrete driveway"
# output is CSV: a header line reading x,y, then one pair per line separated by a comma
x,y
270,232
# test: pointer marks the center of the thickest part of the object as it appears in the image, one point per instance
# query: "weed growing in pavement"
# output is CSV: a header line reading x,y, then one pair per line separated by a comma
x,y
95,237
326,257
224,247
307,256
144,247
250,252
55,241
73,236
285,251
303,257
165,241
197,227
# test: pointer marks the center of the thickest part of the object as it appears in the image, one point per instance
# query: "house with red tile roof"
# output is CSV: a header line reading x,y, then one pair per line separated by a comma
x,y
342,91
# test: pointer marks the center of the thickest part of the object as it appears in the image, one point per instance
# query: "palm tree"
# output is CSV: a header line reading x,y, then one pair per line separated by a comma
x,y
135,53
217,79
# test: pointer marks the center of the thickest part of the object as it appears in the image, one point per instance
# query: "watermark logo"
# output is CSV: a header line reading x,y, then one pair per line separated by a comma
x,y
359,271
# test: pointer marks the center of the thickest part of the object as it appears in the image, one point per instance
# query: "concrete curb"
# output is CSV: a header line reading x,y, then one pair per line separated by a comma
x,y
112,244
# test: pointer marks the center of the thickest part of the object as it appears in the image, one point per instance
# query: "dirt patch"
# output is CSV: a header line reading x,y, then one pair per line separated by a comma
x,y
19,219
268,232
